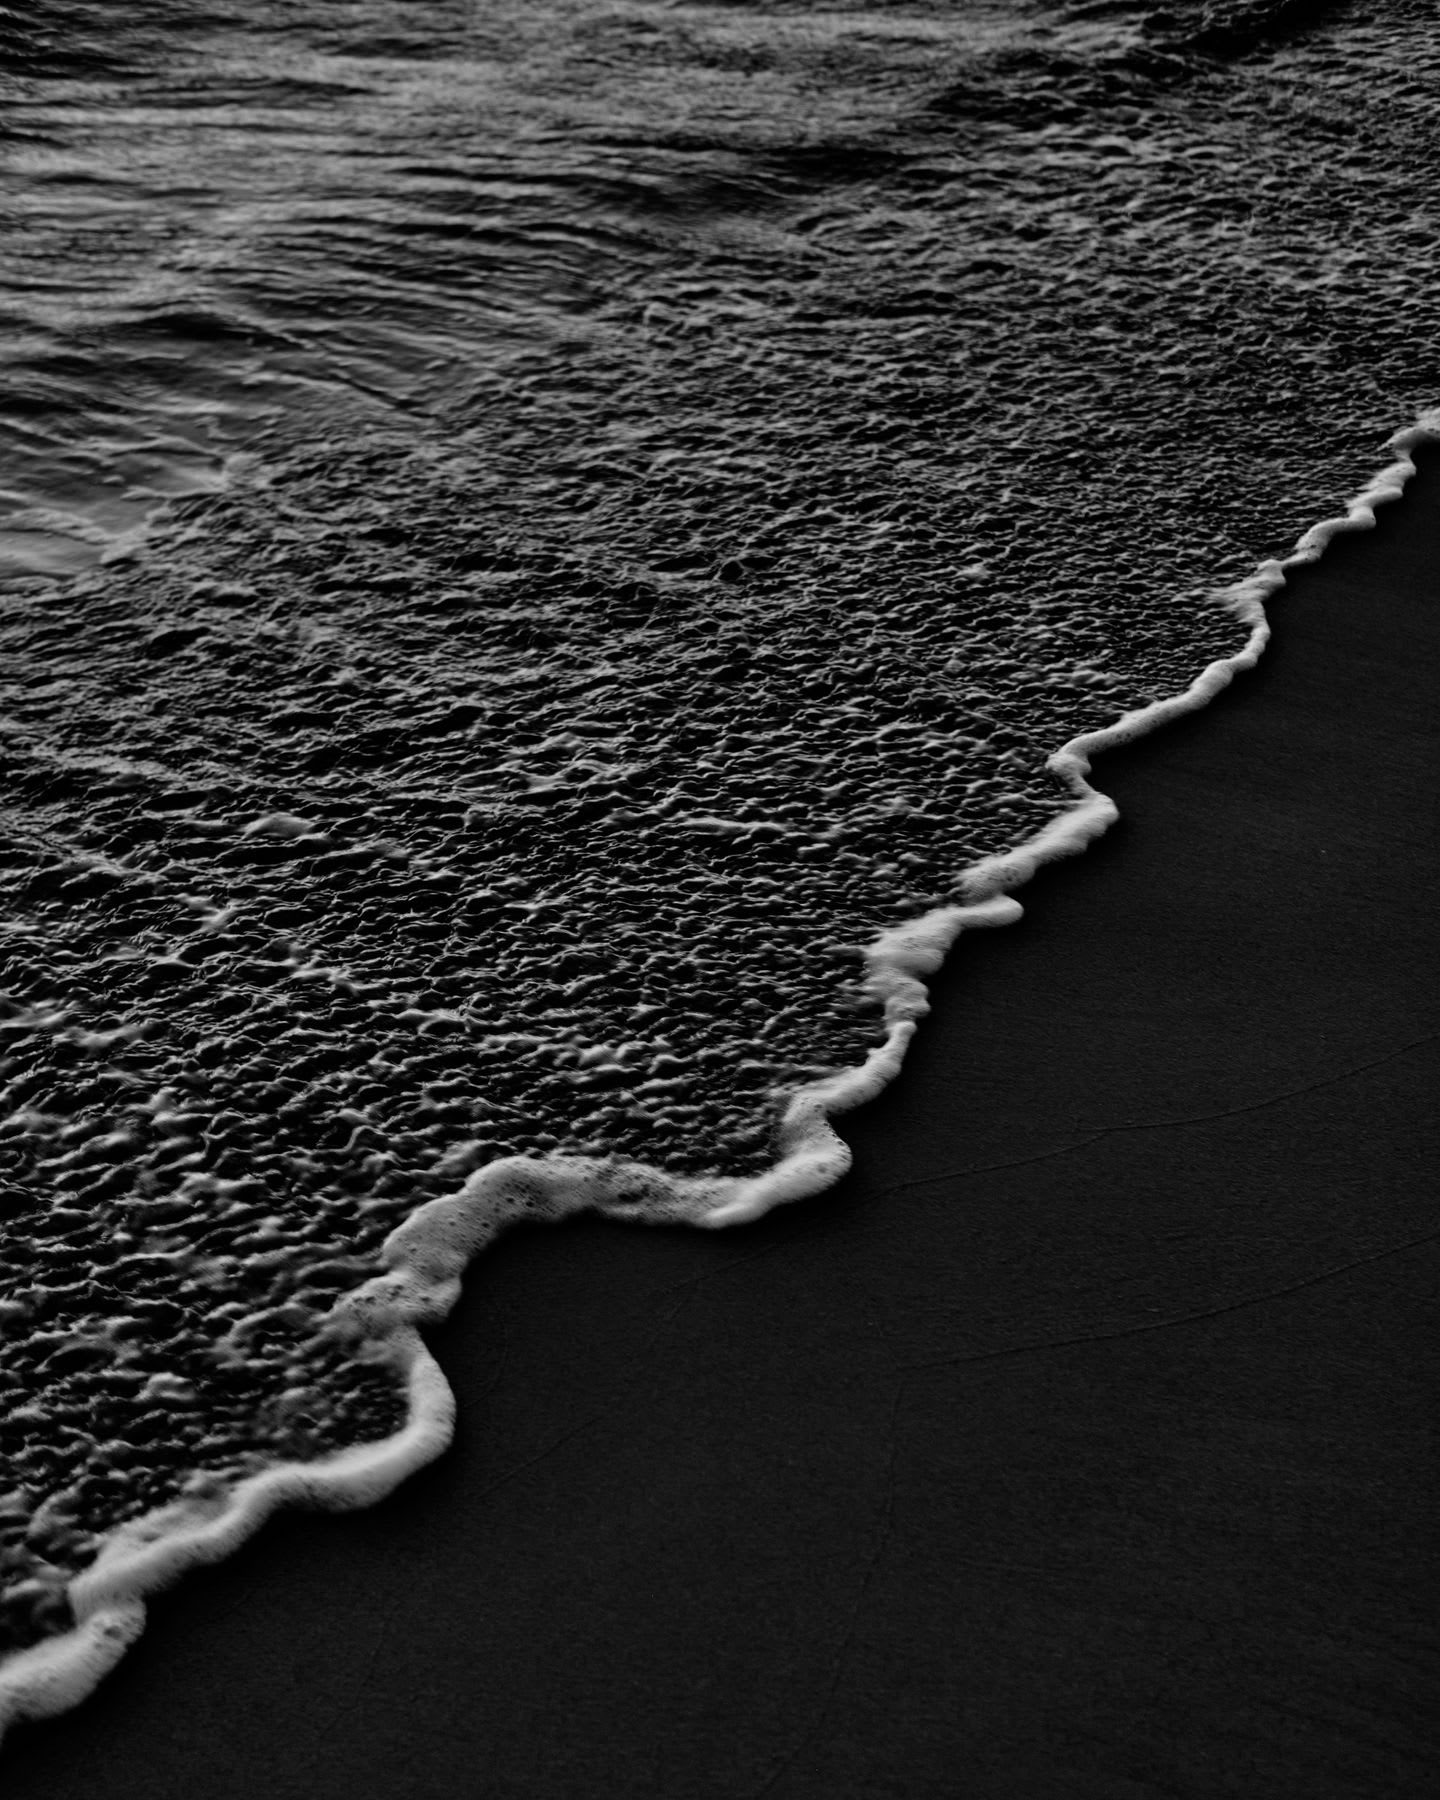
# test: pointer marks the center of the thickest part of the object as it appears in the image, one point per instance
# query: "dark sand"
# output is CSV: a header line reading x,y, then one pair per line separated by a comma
x,y
1080,1445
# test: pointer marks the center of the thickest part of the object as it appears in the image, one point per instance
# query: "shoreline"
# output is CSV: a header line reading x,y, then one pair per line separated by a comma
x,y
1121,945
427,1256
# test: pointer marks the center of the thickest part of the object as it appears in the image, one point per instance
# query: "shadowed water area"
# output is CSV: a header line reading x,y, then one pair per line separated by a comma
x,y
531,533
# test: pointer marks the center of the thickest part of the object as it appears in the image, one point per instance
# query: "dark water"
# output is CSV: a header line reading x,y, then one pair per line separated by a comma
x,y
531,533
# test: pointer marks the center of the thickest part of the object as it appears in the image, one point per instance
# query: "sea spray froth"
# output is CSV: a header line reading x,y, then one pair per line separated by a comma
x,y
521,765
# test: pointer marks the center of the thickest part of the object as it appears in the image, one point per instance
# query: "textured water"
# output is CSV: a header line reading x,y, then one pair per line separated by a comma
x,y
531,532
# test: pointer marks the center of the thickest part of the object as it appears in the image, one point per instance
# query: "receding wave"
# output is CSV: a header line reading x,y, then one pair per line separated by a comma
x,y
378,1324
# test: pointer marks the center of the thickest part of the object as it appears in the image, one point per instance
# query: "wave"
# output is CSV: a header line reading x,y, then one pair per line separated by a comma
x,y
426,1256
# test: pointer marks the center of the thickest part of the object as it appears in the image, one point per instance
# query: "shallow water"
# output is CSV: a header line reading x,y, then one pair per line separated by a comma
x,y
532,533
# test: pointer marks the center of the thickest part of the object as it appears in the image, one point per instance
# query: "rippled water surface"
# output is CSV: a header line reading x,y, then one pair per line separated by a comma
x,y
530,533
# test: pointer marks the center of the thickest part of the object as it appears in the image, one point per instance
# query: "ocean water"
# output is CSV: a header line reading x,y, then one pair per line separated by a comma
x,y
533,537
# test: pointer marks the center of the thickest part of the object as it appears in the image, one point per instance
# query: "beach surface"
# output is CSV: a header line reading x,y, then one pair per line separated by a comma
x,y
1081,1443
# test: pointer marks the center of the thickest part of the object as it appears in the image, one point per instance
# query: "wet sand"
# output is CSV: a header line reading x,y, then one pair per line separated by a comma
x,y
1080,1444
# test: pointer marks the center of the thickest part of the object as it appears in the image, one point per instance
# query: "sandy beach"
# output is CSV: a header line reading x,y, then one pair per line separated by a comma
x,y
1080,1444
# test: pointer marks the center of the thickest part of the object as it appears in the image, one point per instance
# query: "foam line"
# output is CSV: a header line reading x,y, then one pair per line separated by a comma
x,y
426,1256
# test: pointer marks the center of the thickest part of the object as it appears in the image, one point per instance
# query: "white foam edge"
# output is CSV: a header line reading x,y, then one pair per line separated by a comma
x,y
425,1257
